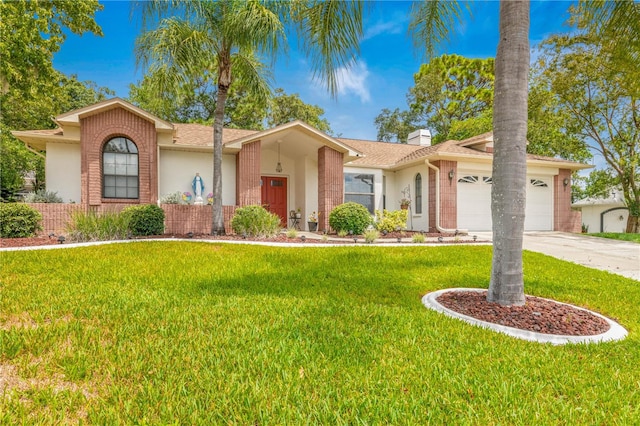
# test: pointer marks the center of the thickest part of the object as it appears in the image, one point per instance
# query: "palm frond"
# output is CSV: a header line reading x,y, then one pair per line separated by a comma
x,y
432,23
331,31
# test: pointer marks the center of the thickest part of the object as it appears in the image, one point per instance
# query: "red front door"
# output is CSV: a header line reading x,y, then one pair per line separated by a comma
x,y
274,196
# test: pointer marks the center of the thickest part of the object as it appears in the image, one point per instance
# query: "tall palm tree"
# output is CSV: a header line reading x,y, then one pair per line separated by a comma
x,y
225,39
431,22
508,191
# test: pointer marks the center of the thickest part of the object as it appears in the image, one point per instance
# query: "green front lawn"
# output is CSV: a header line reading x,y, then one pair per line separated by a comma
x,y
618,236
197,333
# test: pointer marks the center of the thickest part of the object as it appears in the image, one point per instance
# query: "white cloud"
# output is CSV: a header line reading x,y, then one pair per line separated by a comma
x,y
353,80
390,27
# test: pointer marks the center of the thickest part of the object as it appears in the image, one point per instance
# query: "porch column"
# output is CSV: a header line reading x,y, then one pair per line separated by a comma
x,y
248,175
448,195
564,219
330,184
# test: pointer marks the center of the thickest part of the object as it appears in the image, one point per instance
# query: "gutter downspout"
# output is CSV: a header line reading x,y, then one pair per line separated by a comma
x,y
438,227
39,154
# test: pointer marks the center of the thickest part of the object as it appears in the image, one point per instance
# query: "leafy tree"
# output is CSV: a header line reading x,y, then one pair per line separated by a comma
x,y
451,88
31,90
607,111
395,126
285,108
222,39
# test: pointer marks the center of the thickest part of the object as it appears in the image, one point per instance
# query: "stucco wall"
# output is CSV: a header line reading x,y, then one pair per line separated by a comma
x,y
63,171
178,168
404,178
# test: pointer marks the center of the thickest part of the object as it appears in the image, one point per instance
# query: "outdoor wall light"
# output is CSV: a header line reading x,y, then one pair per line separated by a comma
x,y
61,239
565,181
451,175
279,165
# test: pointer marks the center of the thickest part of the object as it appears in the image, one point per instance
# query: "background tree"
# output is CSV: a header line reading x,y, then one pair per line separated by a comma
x,y
224,38
451,88
31,90
285,108
395,126
606,110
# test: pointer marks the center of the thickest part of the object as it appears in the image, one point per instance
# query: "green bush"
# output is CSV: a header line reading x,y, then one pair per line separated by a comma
x,y
89,226
42,196
255,221
371,235
391,220
147,219
19,220
350,216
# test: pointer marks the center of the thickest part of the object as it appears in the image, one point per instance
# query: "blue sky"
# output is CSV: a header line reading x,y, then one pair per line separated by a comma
x,y
380,78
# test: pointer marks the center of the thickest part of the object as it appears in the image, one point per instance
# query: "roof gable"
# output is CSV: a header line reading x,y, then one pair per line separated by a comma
x,y
73,117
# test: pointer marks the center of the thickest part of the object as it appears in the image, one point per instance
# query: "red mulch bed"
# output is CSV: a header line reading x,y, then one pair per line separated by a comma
x,y
538,315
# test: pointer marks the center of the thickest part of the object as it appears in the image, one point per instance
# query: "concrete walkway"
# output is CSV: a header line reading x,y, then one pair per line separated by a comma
x,y
618,257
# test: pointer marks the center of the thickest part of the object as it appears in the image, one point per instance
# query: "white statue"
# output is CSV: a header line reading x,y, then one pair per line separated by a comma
x,y
198,187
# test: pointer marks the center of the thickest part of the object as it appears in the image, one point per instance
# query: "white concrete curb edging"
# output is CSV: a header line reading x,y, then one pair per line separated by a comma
x,y
615,332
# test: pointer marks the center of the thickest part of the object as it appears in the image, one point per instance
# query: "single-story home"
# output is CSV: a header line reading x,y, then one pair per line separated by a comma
x,y
602,214
116,153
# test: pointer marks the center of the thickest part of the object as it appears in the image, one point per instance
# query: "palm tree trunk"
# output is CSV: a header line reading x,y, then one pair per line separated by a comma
x,y
224,81
508,192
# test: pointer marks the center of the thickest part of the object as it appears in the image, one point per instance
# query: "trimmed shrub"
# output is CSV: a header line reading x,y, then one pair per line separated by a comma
x,y
418,238
145,220
89,226
255,221
391,220
19,221
42,196
350,216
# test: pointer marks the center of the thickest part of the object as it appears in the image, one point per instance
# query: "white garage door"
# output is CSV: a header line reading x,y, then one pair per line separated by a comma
x,y
474,203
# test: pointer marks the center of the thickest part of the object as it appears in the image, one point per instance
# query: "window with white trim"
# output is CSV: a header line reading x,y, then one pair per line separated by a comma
x,y
359,188
539,183
418,198
120,169
468,179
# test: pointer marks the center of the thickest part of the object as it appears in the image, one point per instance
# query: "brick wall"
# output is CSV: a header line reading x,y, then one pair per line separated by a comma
x,y
248,175
448,196
179,219
330,184
98,129
564,218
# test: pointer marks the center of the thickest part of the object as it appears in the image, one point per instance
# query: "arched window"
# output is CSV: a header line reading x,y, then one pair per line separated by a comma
x,y
120,169
418,184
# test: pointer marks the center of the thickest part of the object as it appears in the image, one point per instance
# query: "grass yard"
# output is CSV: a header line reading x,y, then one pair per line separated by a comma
x,y
618,236
197,333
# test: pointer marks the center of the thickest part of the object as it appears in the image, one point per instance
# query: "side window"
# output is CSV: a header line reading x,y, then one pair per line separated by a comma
x,y
418,198
359,188
120,169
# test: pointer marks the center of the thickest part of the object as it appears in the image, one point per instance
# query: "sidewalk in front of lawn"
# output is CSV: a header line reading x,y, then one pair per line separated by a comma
x,y
615,256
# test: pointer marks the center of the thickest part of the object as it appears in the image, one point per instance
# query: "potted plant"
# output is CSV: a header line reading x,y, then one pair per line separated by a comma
x,y
298,213
404,203
313,222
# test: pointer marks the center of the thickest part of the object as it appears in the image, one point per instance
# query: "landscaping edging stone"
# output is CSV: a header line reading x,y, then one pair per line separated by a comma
x,y
615,332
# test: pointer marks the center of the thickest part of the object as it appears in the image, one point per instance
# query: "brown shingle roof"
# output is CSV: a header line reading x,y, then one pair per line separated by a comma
x,y
379,153
202,135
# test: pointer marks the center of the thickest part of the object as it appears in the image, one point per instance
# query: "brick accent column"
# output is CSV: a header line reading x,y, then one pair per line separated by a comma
x,y
330,184
564,219
98,129
248,175
448,195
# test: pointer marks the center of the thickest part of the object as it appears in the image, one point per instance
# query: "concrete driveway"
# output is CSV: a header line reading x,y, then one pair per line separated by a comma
x,y
618,257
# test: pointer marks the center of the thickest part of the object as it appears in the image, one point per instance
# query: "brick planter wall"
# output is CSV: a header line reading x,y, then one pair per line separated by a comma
x,y
179,219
